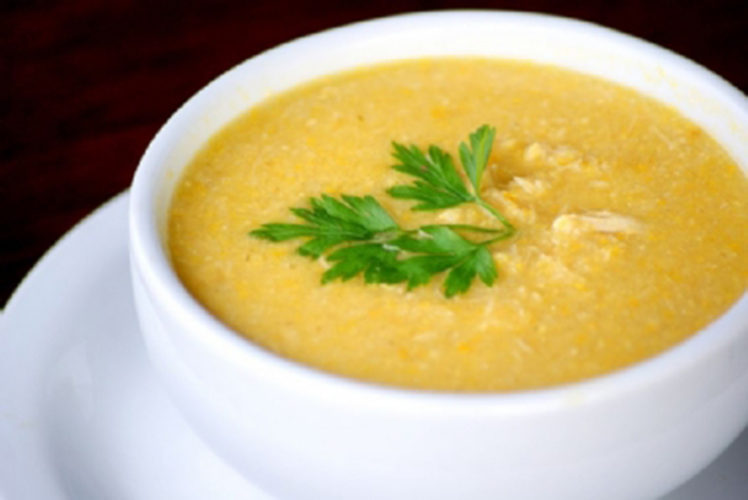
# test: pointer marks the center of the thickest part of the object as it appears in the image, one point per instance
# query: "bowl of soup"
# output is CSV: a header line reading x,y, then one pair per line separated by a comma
x,y
599,349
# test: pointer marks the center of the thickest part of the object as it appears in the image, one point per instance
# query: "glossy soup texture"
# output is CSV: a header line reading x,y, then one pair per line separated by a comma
x,y
632,226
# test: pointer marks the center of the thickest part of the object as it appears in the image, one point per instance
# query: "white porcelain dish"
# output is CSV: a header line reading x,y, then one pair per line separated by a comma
x,y
83,416
303,434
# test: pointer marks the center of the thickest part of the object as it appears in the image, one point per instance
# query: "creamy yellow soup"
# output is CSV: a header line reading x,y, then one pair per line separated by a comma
x,y
632,226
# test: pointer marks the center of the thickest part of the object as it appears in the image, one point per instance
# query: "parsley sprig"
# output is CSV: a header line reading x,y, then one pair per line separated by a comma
x,y
361,238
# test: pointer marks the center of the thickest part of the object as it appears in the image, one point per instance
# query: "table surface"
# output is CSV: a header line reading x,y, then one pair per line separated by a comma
x,y
86,84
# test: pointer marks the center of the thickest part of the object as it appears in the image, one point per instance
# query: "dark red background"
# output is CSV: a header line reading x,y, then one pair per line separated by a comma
x,y
86,84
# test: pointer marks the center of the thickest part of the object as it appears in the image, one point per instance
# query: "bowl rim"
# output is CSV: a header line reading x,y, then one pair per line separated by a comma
x,y
151,265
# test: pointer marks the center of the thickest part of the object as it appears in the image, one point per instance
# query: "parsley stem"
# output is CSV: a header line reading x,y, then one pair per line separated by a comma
x,y
503,236
504,221
476,229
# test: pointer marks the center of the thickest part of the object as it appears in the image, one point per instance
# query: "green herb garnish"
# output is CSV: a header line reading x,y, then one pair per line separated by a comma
x,y
362,238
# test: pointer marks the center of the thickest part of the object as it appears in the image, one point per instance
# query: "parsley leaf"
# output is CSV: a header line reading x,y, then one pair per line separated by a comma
x,y
440,186
375,260
438,183
331,222
479,262
475,158
445,249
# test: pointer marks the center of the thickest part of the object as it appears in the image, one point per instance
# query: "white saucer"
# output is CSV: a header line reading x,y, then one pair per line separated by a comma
x,y
82,416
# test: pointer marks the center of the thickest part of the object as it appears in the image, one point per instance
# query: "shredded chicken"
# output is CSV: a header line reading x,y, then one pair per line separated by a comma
x,y
601,222
533,187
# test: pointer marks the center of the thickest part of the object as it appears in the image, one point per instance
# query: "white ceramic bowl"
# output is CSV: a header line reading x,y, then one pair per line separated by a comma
x,y
303,434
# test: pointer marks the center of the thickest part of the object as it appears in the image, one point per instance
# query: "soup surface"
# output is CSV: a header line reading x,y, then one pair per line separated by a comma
x,y
632,226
